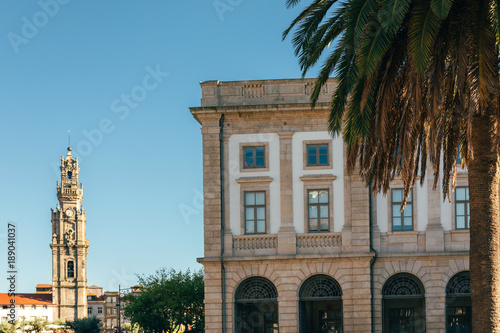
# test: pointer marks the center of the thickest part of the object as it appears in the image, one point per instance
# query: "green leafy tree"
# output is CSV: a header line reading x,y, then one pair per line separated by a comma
x,y
38,324
85,325
128,327
418,80
8,327
169,301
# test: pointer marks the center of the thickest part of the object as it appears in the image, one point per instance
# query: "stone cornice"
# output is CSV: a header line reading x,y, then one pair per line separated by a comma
x,y
254,180
318,178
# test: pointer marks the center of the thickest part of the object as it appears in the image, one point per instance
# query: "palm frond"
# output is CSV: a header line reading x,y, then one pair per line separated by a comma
x,y
423,29
292,3
392,13
441,7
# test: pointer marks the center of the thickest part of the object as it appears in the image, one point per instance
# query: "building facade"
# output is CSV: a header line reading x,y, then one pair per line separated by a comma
x,y
111,301
293,243
69,245
28,307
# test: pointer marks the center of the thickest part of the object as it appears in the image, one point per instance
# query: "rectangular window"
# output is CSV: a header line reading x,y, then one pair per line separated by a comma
x,y
255,212
401,220
319,210
253,157
99,310
89,310
462,210
317,154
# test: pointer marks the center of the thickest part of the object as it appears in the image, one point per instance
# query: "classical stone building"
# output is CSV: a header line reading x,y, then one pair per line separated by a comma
x,y
69,245
295,244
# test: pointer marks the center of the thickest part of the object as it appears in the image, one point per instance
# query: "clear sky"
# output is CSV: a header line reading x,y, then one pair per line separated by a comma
x,y
70,65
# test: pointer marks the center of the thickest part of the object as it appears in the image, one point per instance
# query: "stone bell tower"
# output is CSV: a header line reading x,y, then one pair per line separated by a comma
x,y
69,245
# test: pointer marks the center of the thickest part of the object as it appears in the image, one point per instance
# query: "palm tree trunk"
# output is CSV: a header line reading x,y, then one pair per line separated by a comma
x,y
484,175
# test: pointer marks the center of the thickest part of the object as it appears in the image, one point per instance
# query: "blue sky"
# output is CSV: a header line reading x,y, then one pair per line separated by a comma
x,y
70,65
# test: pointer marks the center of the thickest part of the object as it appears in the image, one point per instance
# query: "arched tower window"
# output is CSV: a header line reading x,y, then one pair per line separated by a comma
x,y
403,304
71,269
320,305
256,301
70,175
458,304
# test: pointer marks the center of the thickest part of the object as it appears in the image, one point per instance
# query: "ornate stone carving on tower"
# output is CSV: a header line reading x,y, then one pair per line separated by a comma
x,y
69,245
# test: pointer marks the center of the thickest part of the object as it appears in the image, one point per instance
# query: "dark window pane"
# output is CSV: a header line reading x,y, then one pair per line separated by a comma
x,y
311,160
323,159
248,152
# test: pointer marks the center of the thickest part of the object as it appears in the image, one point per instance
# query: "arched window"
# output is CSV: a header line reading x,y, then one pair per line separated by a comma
x,y
320,305
458,304
71,269
256,302
403,304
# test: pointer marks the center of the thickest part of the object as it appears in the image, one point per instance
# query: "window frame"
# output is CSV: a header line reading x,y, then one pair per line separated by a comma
x,y
318,205
254,145
254,207
318,182
393,203
305,146
254,184
72,270
466,208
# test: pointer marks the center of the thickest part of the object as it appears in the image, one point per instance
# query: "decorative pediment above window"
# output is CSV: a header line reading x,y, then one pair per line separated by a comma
x,y
318,178
254,180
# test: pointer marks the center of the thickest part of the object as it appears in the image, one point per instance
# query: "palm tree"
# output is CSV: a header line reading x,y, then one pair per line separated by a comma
x,y
418,80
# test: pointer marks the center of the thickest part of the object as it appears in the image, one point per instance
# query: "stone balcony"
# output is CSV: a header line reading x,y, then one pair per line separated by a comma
x,y
311,243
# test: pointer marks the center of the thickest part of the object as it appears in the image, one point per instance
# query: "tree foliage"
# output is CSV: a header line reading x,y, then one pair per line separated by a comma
x,y
38,324
168,302
8,326
85,325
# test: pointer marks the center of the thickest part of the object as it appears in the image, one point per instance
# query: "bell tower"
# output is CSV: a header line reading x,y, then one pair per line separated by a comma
x,y
69,245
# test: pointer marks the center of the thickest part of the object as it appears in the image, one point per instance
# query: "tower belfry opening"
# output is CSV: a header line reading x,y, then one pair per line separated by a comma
x,y
69,244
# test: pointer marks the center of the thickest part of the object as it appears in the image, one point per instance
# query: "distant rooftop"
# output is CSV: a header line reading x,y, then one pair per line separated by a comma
x,y
27,299
259,92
